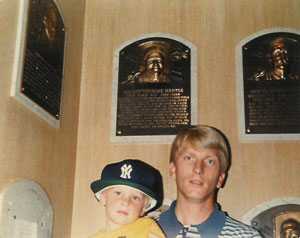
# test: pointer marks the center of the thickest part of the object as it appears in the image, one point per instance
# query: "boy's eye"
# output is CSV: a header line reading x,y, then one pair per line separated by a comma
x,y
117,193
135,198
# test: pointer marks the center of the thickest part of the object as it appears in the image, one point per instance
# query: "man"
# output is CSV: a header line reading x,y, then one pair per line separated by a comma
x,y
290,228
199,161
154,64
280,62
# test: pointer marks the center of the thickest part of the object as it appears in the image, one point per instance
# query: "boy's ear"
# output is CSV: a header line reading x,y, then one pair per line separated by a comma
x,y
143,211
102,198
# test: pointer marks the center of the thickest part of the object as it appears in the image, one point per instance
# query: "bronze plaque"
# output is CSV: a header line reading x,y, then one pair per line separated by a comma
x,y
281,221
44,56
154,88
271,79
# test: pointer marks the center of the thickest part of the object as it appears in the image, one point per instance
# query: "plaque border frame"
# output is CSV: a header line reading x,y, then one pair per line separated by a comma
x,y
264,206
19,58
9,203
194,97
240,91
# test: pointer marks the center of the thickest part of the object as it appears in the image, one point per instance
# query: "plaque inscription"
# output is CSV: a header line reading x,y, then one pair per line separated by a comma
x,y
153,109
154,88
271,77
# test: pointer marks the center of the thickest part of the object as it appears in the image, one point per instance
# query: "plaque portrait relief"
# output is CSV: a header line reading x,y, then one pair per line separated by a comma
x,y
153,63
287,225
269,79
279,59
282,221
40,76
153,96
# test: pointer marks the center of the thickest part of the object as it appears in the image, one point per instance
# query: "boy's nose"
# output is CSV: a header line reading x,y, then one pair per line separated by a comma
x,y
125,200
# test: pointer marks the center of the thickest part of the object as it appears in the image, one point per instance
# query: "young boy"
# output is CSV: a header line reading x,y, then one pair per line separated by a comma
x,y
127,190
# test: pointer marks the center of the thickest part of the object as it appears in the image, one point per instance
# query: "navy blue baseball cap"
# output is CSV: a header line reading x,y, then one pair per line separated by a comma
x,y
136,174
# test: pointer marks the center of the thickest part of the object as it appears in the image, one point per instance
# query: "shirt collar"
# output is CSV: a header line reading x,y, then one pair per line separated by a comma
x,y
169,223
211,227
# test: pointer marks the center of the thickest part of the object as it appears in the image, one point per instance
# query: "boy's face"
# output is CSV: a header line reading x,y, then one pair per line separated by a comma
x,y
123,205
197,172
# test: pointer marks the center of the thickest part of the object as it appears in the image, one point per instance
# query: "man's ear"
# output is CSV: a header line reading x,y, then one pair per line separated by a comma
x,y
172,170
221,179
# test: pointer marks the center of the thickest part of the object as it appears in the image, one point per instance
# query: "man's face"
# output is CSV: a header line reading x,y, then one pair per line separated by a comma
x,y
197,172
280,56
123,205
154,62
291,233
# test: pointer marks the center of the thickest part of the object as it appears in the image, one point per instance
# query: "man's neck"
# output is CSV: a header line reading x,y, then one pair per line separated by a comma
x,y
279,74
193,213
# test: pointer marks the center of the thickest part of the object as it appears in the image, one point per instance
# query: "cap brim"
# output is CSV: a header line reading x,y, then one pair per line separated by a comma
x,y
99,186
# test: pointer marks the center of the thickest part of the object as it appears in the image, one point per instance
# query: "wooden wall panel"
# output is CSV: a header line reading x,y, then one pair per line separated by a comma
x,y
29,147
259,170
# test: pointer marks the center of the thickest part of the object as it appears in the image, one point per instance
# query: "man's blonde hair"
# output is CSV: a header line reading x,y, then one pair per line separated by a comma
x,y
201,136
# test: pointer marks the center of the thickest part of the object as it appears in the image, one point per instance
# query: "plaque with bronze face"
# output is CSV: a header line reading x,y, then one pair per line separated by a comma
x,y
154,88
271,84
44,56
279,222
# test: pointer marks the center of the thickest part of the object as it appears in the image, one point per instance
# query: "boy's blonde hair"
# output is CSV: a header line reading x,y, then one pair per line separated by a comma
x,y
201,136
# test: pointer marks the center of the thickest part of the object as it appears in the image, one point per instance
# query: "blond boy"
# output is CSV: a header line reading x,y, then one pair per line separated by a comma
x,y
127,190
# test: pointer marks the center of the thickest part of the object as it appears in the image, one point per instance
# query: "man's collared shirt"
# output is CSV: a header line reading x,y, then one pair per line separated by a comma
x,y
217,225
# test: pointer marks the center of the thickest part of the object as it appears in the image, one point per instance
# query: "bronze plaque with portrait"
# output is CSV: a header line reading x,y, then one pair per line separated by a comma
x,y
44,56
282,221
154,88
271,79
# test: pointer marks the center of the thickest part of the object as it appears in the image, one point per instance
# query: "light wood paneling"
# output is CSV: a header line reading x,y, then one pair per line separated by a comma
x,y
215,26
29,147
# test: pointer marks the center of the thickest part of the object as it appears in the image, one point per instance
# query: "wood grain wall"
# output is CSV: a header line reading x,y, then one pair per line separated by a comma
x,y
32,149
260,171
29,147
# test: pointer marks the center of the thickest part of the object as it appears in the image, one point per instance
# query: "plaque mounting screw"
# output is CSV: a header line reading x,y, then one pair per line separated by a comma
x,y
254,223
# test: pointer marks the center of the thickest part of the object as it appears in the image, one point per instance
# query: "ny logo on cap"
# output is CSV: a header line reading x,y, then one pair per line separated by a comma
x,y
126,171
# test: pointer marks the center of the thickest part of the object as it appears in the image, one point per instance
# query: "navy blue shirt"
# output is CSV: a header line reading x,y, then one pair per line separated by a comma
x,y
211,227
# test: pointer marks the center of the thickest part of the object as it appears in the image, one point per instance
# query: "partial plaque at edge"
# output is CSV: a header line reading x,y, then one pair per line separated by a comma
x,y
44,56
